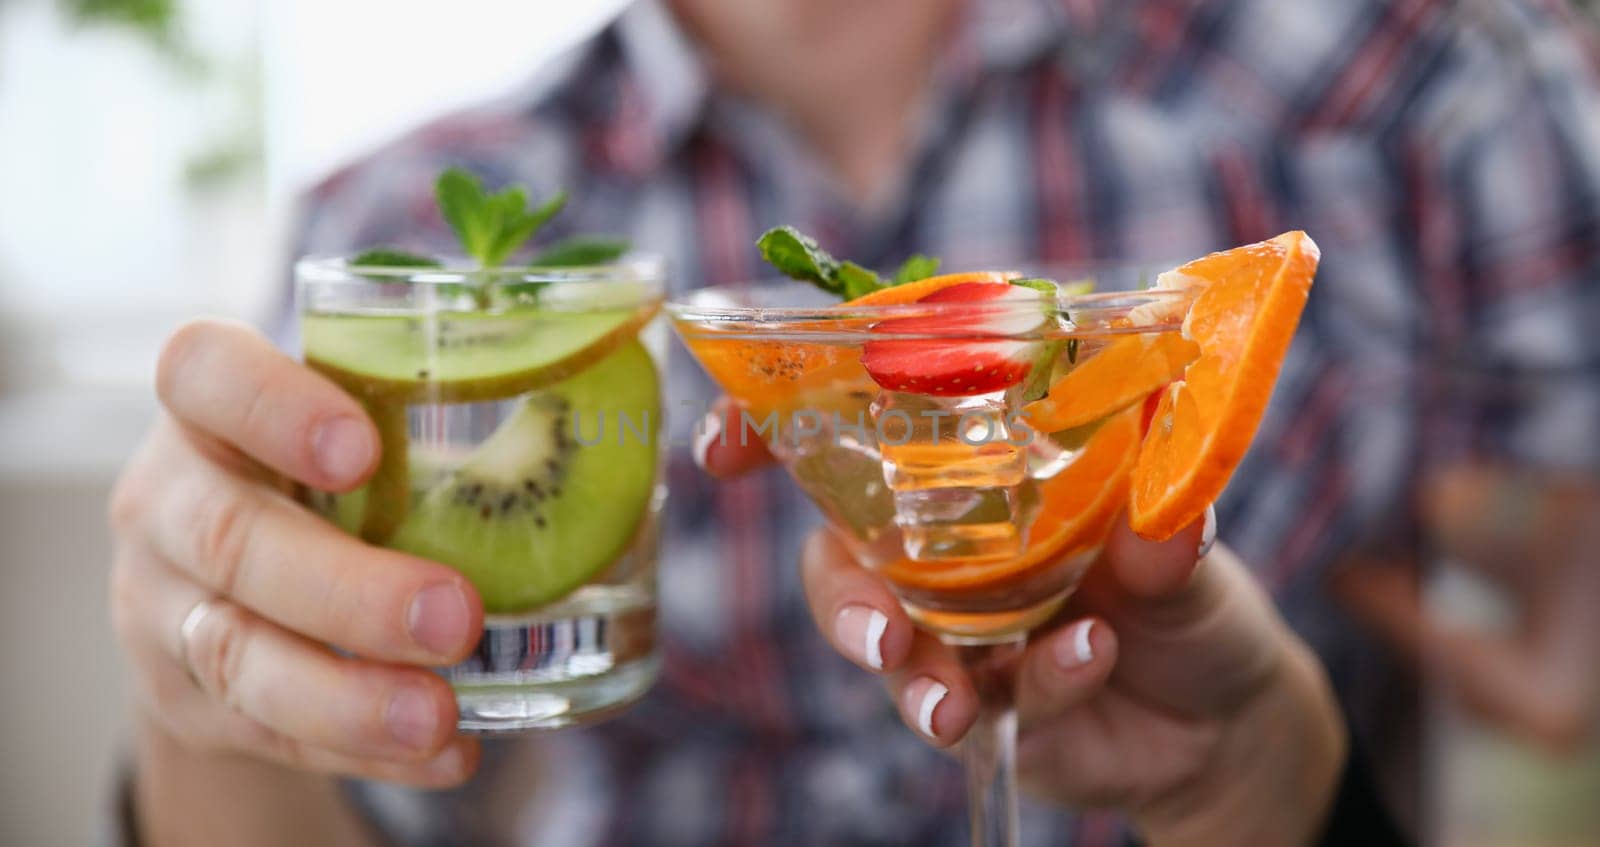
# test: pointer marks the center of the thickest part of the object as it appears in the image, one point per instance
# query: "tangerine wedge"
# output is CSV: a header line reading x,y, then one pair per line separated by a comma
x,y
911,292
1124,373
1243,321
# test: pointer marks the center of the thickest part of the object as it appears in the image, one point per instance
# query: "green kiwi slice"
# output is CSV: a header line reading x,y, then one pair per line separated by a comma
x,y
554,495
387,494
344,511
463,357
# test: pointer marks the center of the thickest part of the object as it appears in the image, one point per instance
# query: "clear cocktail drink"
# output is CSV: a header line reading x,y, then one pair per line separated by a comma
x,y
981,520
519,412
974,438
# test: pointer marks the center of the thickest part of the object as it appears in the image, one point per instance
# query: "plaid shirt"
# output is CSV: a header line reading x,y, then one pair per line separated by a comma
x,y
1446,155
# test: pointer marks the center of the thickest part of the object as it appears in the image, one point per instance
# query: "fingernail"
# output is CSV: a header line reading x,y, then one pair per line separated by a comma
x,y
438,618
923,697
859,632
343,449
449,762
1074,650
710,431
412,718
1208,533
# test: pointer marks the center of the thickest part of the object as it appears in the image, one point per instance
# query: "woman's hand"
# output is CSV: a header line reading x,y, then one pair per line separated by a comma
x,y
226,594
1172,690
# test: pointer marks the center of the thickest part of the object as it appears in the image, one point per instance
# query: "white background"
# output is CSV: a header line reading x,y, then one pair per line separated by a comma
x,y
101,244
103,250
348,73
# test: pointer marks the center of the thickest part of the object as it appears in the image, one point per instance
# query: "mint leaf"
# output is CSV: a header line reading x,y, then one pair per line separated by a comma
x,y
856,281
547,210
918,267
799,257
1044,285
517,225
1044,365
387,257
580,251
491,227
507,229
468,211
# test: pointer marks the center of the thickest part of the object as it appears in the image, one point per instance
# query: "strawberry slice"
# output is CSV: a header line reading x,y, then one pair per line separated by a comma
x,y
953,365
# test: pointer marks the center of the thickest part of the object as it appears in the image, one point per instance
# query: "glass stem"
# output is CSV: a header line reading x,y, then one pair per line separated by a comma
x,y
990,748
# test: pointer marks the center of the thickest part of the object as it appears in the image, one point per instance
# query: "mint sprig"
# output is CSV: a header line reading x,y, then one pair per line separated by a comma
x,y
388,257
798,256
916,268
491,227
579,251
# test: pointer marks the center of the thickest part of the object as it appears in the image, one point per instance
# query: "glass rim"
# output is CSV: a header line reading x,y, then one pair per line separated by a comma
x,y
333,269
1086,314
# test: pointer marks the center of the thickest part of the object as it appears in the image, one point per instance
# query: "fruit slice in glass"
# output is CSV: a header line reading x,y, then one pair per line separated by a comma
x,y
909,418
518,410
956,500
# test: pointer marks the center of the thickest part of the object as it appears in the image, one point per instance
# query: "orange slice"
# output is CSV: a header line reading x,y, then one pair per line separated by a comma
x,y
1124,373
911,292
1243,321
762,375
765,374
1076,510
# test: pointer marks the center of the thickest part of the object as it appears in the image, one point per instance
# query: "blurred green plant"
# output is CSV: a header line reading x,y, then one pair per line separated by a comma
x,y
235,153
158,19
157,22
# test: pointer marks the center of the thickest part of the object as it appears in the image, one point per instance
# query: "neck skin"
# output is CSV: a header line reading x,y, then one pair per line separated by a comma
x,y
850,77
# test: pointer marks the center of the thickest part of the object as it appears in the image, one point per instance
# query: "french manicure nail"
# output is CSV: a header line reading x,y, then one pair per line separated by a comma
x,y
412,718
710,432
1208,533
859,632
342,449
438,618
448,763
1075,650
926,694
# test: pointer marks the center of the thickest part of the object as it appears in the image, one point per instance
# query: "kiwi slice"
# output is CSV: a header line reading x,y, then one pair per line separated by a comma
x,y
344,511
554,495
463,357
387,494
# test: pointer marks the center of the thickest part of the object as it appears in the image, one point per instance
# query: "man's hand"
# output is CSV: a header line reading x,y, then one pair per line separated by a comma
x,y
201,516
1171,690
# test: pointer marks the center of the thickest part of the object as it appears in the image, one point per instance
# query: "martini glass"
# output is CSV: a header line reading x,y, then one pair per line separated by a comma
x,y
980,521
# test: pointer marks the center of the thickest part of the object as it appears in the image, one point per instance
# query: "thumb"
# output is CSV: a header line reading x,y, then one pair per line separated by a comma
x,y
1194,631
1159,569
